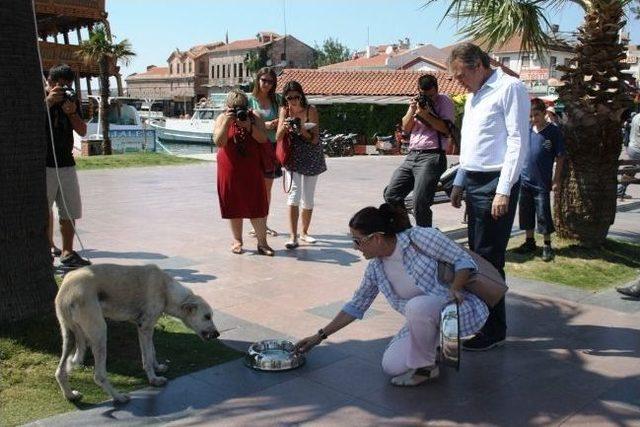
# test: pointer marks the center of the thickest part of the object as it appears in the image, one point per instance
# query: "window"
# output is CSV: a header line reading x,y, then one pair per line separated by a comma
x,y
213,74
189,66
506,61
240,69
553,61
218,73
525,60
567,62
224,69
202,67
235,70
170,68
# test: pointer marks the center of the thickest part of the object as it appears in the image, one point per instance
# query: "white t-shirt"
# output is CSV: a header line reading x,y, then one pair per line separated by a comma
x,y
402,283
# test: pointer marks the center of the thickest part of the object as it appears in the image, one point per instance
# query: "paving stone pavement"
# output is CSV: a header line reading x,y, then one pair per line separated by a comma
x,y
572,357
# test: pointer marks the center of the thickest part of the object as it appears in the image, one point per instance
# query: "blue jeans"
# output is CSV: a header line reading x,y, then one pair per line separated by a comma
x,y
489,237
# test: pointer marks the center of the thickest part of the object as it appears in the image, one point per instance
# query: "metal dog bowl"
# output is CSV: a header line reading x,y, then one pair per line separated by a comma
x,y
450,335
273,355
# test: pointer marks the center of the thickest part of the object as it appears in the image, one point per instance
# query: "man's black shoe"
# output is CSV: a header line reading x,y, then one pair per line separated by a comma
x,y
73,260
632,290
481,342
528,247
547,253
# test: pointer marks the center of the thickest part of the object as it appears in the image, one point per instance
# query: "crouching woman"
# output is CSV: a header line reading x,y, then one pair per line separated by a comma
x,y
404,268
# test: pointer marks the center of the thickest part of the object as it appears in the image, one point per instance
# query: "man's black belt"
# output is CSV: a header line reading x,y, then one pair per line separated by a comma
x,y
431,150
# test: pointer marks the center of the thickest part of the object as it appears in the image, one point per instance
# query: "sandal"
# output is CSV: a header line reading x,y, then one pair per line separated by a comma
x,y
291,244
272,233
237,248
308,239
252,233
265,250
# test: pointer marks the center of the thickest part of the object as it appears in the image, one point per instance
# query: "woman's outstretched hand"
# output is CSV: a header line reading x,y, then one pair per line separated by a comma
x,y
306,344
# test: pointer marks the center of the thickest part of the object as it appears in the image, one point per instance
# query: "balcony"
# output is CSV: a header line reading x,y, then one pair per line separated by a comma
x,y
54,54
57,16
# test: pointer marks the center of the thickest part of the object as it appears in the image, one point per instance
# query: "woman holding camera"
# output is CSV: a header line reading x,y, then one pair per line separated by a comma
x,y
299,120
241,190
264,103
403,267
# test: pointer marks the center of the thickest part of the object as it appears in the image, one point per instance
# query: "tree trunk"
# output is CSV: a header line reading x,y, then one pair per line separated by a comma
x,y
104,105
595,94
27,287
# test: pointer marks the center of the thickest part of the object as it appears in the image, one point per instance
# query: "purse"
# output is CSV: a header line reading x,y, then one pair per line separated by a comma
x,y
283,149
268,159
486,282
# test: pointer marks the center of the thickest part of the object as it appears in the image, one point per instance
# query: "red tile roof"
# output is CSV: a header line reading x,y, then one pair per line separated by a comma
x,y
370,83
374,61
153,72
238,45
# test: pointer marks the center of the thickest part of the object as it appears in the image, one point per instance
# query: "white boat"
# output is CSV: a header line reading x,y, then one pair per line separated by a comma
x,y
196,130
126,129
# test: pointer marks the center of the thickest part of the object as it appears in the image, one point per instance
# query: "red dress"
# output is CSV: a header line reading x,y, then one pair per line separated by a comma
x,y
241,189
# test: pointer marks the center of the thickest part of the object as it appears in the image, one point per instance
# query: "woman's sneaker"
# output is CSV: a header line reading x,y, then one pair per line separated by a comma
x,y
414,377
73,260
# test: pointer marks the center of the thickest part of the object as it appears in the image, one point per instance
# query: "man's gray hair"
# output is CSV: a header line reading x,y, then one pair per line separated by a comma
x,y
470,55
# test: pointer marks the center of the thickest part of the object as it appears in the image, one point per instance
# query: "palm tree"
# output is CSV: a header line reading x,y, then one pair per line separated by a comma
x,y
595,94
101,49
27,287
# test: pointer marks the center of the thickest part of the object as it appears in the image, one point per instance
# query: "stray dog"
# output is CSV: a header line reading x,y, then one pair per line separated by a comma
x,y
138,294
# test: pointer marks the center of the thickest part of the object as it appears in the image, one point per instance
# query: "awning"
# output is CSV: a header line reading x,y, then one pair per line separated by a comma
x,y
357,99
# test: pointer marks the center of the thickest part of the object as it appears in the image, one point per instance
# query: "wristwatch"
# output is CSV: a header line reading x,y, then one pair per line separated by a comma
x,y
323,335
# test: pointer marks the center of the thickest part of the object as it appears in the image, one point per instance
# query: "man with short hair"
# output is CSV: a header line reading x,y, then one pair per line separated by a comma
x,y
426,120
62,179
495,139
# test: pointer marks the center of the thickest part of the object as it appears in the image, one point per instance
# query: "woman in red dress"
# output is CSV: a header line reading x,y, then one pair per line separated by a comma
x,y
241,189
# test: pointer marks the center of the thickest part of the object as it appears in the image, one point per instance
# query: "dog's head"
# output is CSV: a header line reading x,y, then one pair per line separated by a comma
x,y
197,315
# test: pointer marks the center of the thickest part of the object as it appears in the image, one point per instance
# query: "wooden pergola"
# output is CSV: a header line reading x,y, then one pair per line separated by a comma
x,y
60,17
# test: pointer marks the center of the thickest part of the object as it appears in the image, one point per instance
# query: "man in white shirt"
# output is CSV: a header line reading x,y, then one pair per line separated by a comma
x,y
495,138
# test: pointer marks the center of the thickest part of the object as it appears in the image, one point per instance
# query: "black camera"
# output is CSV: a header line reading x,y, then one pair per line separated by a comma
x,y
294,123
69,94
241,113
423,100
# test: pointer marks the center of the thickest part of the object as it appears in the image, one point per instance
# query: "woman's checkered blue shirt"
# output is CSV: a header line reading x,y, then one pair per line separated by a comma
x,y
422,265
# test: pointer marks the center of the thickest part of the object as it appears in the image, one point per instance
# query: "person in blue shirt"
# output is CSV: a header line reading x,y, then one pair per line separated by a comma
x,y
546,146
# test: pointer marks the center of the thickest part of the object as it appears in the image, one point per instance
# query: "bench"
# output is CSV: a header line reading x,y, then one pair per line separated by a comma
x,y
627,173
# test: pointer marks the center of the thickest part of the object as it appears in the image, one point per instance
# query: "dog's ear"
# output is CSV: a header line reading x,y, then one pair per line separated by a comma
x,y
189,307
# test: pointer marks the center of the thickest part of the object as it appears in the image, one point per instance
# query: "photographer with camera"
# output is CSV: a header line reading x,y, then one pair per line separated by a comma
x,y
62,179
300,121
241,190
426,120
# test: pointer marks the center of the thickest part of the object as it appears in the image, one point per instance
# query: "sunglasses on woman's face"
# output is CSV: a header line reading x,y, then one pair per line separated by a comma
x,y
359,241
267,81
292,98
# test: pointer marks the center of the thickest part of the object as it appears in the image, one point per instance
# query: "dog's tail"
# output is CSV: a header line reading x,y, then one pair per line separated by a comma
x,y
71,334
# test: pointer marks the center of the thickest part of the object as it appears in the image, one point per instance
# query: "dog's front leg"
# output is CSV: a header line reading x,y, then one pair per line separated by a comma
x,y
147,350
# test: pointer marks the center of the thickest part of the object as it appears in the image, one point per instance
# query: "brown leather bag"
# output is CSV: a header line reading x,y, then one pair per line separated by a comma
x,y
486,283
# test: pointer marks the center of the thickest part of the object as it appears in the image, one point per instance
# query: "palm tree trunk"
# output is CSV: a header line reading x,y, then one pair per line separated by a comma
x,y
104,104
27,287
595,94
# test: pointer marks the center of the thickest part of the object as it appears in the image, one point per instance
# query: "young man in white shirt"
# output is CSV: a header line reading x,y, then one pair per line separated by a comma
x,y
495,138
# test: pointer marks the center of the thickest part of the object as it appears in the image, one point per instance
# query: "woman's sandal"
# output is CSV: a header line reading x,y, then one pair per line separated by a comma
x,y
414,377
291,244
237,248
265,250
272,233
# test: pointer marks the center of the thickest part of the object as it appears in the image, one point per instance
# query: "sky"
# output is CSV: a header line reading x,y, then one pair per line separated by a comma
x,y
156,27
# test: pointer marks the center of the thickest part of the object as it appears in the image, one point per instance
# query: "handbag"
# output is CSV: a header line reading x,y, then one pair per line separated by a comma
x,y
486,282
283,149
268,159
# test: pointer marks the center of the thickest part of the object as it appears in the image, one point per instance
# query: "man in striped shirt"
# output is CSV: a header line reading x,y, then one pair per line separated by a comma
x,y
495,138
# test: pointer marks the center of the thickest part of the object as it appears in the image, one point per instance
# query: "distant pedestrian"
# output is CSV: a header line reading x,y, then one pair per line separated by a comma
x,y
62,178
241,190
494,143
546,145
264,103
632,152
426,119
300,120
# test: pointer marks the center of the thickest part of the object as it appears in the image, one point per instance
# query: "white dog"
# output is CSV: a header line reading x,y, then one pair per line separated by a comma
x,y
138,294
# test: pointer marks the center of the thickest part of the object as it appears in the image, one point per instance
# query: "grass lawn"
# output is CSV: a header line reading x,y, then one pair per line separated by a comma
x,y
617,262
29,354
131,160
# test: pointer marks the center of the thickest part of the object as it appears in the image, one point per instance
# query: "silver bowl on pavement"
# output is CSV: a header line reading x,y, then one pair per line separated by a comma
x,y
273,355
